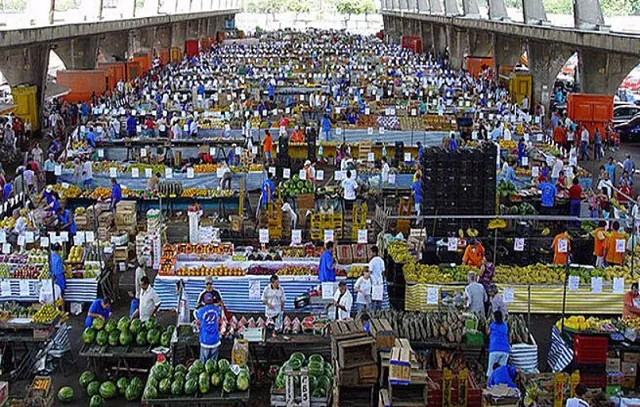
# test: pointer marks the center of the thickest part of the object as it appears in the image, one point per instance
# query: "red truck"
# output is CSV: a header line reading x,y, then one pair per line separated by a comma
x,y
591,111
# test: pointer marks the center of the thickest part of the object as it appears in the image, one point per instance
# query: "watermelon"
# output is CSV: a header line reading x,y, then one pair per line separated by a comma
x,y
160,371
216,379
111,326
141,338
165,386
89,335
65,394
299,356
150,393
197,367
316,368
125,338
114,338
108,390
328,370
316,358
123,324
223,366
190,387
181,368
96,401
242,382
210,366
152,381
135,326
179,376
229,384
102,338
203,383
313,382
295,364
137,382
324,382
93,388
176,387
150,324
165,339
280,381
192,375
122,385
132,392
319,392
153,337
86,378
97,324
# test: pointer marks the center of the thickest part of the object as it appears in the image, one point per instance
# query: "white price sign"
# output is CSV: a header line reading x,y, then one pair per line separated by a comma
x,y
452,244
618,285
407,157
254,290
5,288
148,173
433,295
168,172
320,175
264,236
272,170
392,178
100,153
362,236
620,246
518,244
190,172
286,173
89,237
339,175
135,173
57,170
508,295
563,245
328,235
44,241
328,290
596,285
371,157
370,131
24,288
302,174
381,130
296,236
6,248
574,283
525,161
113,172
535,172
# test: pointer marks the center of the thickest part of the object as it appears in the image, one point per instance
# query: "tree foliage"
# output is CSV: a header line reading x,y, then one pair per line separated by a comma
x,y
355,6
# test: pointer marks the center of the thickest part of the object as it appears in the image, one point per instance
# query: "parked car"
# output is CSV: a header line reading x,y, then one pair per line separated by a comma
x,y
629,130
622,113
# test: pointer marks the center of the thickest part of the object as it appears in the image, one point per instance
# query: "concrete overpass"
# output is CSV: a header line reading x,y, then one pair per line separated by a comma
x,y
605,58
24,53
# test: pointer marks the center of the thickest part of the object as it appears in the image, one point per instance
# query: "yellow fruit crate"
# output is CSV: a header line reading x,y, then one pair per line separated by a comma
x,y
317,234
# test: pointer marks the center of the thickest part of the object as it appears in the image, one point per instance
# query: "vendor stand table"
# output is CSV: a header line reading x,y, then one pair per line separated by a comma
x,y
130,358
78,290
216,397
31,337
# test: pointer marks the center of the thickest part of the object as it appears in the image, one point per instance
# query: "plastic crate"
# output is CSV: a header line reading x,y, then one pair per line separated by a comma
x,y
474,338
593,381
590,349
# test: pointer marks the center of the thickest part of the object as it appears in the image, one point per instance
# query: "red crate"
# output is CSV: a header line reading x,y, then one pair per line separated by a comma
x,y
593,381
590,349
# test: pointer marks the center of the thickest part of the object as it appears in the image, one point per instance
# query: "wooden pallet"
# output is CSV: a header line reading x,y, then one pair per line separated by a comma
x,y
353,396
356,352
341,330
381,329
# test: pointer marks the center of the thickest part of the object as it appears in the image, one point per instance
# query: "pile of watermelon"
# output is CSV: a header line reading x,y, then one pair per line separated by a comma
x,y
126,332
98,392
166,381
320,373
296,186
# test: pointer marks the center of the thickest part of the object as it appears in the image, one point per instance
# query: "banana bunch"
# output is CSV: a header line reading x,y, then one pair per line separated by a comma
x,y
633,323
497,224
612,272
399,252
424,274
531,274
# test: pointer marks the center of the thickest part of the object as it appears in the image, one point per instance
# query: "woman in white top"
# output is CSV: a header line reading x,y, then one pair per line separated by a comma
x,y
363,289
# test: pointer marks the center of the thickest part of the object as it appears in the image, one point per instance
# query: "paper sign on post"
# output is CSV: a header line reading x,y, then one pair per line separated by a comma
x,y
392,179
143,152
563,245
44,241
264,236
21,241
518,244
212,151
254,290
90,237
433,295
328,290
328,235
370,131
596,285
168,172
24,288
302,174
574,283
320,175
29,237
272,170
5,288
135,173
3,236
190,172
296,236
371,157
452,244
508,294
286,173
618,285
407,157
57,170
362,236
148,172
6,248
525,161
100,153
80,237
620,246
113,172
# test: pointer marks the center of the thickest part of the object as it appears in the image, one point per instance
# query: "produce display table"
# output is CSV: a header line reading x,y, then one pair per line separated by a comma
x,y
129,358
211,398
78,290
221,205
537,299
235,291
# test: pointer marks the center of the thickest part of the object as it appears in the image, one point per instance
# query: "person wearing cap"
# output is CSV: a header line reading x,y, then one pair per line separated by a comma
x,y
310,172
473,254
207,318
149,301
100,308
217,298
340,307
273,298
475,294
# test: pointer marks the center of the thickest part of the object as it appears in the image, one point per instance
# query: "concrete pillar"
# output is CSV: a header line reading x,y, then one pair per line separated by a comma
x,y
470,8
533,12
439,38
436,7
27,66
179,35
480,43
427,36
545,61
113,47
497,10
456,42
602,72
451,8
587,14
142,40
78,53
507,50
423,6
192,32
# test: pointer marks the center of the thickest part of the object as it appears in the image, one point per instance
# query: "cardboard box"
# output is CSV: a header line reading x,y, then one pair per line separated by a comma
x,y
383,398
613,365
631,357
629,369
629,382
400,366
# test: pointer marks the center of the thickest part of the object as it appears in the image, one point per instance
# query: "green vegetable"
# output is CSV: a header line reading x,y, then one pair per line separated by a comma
x,y
123,324
190,387
114,337
89,335
315,368
137,382
125,338
107,390
153,337
295,364
197,367
141,338
97,324
150,393
229,384
316,358
93,388
242,382
165,339
181,368
176,387
165,386
216,379
111,326
299,356
122,385
96,401
280,381
211,366
203,383
132,392
65,394
86,378
150,324
324,382
223,366
319,392
102,337
135,326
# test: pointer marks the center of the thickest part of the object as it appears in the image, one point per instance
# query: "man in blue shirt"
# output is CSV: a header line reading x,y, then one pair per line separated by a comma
x,y
417,196
610,167
548,194
91,138
453,144
326,128
65,218
506,375
57,270
131,126
7,191
100,308
272,92
420,152
207,319
268,188
116,193
326,271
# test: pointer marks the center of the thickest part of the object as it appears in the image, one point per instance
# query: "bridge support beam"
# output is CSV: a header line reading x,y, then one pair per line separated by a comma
x,y
533,12
602,72
545,61
587,14
439,38
480,43
498,10
427,36
113,47
507,50
457,44
78,53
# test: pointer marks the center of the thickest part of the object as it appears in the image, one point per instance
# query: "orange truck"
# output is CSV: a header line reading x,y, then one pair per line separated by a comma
x,y
82,84
591,111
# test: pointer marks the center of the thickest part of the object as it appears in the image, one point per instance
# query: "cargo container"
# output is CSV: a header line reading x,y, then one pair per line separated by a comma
x,y
145,59
133,70
520,86
191,48
590,110
475,65
25,99
411,42
176,55
116,71
82,84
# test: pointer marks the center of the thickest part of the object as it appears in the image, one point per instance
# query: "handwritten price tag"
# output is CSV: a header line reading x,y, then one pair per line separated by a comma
x,y
518,244
574,283
433,295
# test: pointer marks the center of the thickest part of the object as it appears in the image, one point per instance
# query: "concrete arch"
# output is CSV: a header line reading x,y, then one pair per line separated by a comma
x,y
55,63
603,72
545,62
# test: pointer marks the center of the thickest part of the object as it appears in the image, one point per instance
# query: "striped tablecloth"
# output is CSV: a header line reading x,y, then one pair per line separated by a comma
x,y
78,290
235,291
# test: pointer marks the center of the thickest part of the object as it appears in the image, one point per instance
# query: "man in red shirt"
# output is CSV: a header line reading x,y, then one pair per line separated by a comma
x,y
267,147
559,135
575,198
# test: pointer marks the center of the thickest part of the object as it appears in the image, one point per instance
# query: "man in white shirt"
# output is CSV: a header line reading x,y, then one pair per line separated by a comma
x,y
19,227
385,171
376,267
524,105
149,301
273,298
349,186
555,171
340,307
577,401
584,143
